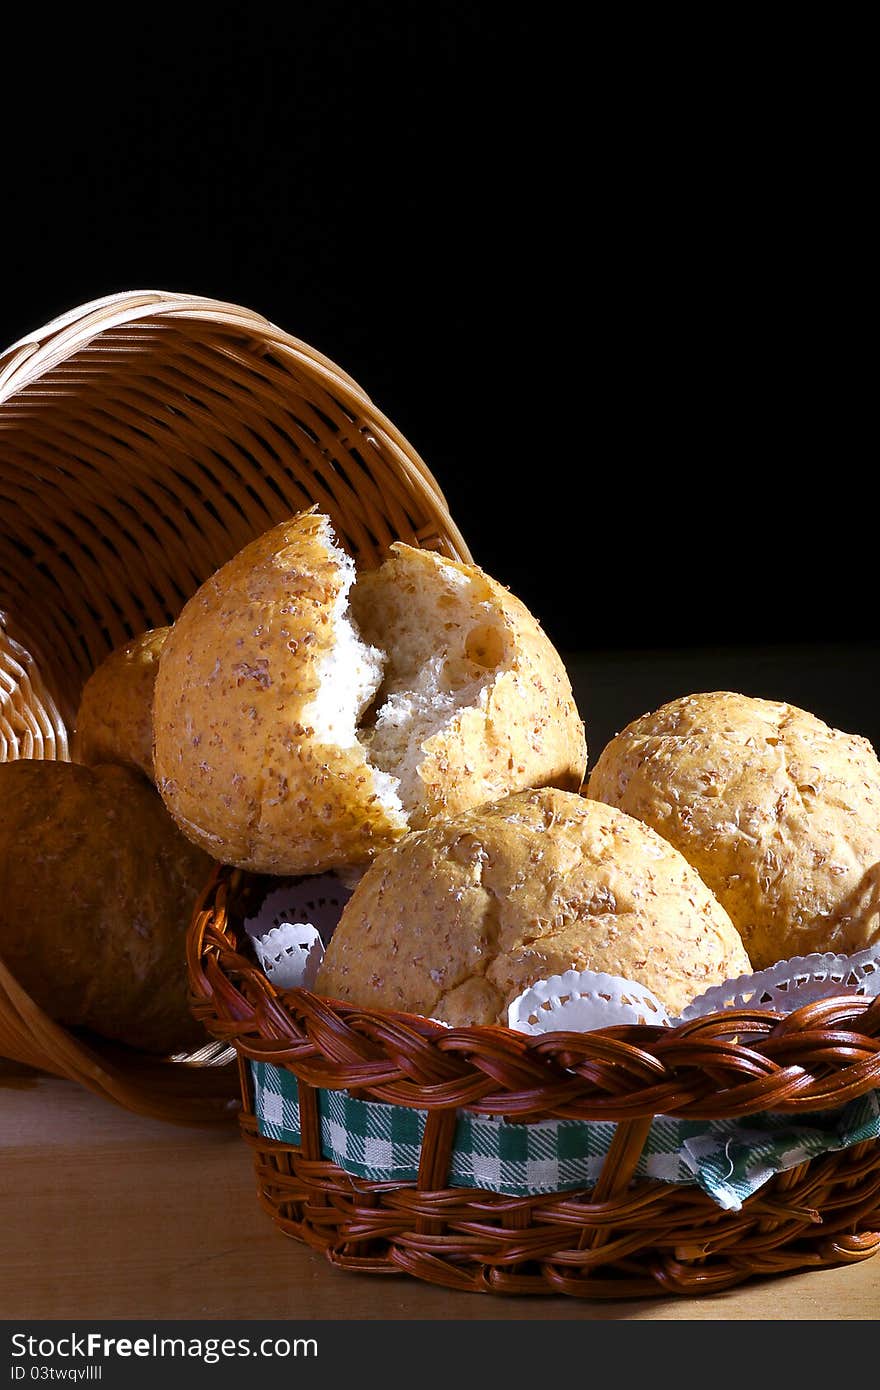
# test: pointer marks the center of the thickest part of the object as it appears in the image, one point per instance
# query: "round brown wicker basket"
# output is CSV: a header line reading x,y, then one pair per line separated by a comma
x,y
618,1238
144,439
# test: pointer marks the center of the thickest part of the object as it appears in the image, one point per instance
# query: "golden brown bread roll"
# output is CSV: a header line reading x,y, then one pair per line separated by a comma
x,y
779,814
456,920
267,752
115,719
97,886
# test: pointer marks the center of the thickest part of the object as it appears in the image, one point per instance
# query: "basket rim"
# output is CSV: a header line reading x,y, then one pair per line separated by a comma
x,y
817,1057
80,325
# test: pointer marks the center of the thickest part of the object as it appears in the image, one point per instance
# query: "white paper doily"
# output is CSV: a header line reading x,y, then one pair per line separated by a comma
x,y
294,925
788,984
581,1000
290,955
318,901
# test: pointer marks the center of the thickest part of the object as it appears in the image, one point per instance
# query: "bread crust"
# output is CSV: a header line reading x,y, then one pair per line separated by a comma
x,y
457,919
97,887
237,761
114,723
778,812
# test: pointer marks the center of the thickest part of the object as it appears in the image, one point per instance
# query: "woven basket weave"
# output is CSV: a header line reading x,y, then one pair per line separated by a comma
x,y
618,1238
144,439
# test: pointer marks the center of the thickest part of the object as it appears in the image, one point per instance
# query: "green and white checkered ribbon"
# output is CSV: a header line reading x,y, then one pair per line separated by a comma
x,y
728,1159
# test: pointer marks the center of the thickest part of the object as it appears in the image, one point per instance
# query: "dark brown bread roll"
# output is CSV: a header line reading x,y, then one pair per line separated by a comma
x,y
97,886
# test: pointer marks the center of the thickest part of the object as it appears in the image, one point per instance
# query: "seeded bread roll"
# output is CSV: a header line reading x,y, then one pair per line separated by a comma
x,y
287,743
115,719
778,813
97,886
458,919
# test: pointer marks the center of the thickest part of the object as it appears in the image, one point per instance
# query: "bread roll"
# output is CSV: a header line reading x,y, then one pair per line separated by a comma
x,y
458,919
287,743
97,887
778,813
115,719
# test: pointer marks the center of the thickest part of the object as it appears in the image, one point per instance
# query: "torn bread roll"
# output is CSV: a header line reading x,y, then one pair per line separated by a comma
x,y
114,723
778,813
458,919
305,718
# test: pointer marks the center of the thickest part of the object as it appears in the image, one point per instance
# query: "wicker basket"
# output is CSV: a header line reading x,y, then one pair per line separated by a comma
x,y
144,439
619,1238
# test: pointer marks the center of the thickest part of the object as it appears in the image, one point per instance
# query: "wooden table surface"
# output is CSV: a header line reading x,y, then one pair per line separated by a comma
x,y
106,1214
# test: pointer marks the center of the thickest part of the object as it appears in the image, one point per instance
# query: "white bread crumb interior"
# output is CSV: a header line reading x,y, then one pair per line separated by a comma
x,y
441,649
444,650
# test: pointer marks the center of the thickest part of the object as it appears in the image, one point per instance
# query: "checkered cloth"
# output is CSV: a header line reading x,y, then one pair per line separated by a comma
x,y
728,1159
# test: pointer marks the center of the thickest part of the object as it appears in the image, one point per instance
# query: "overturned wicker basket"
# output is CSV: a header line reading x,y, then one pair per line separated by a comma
x,y
618,1238
144,439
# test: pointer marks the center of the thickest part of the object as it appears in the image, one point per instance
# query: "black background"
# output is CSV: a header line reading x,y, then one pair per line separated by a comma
x,y
610,284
